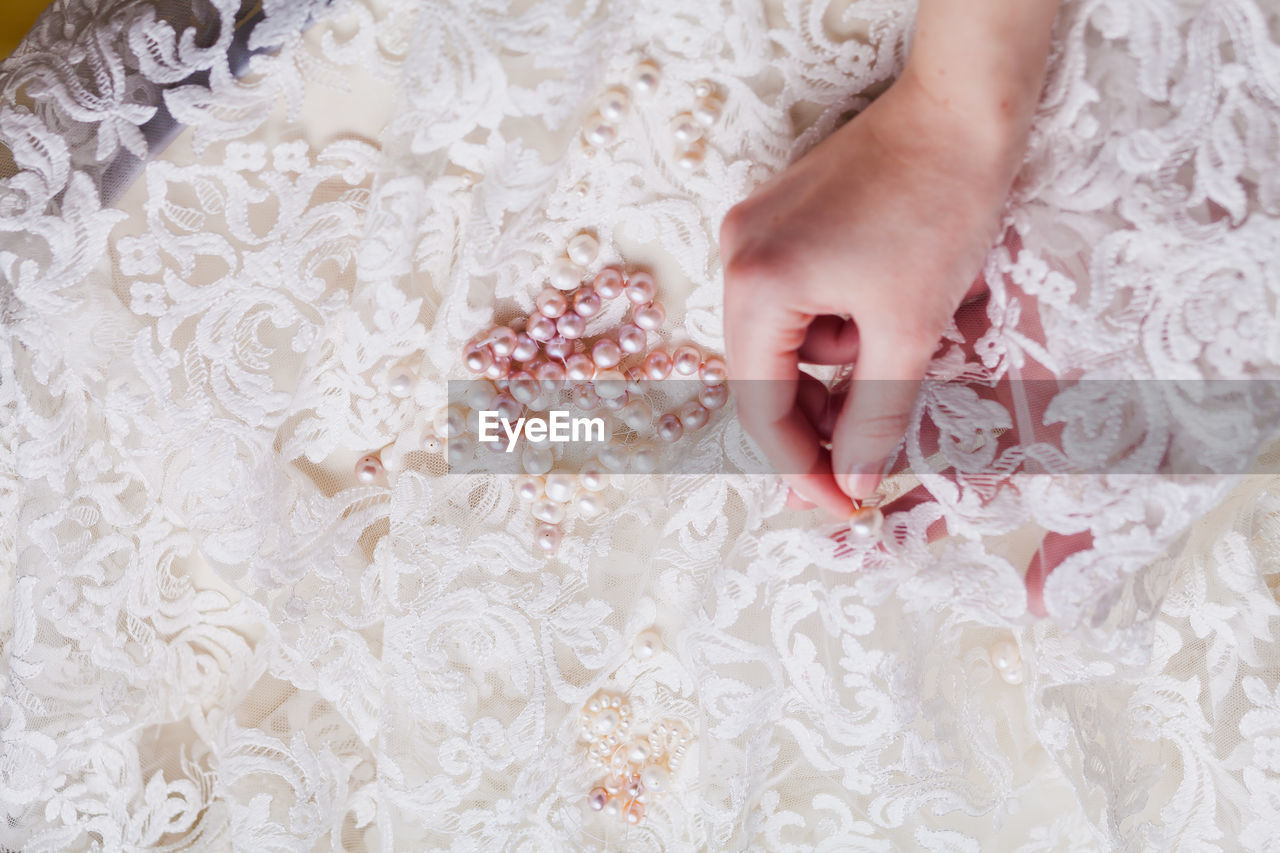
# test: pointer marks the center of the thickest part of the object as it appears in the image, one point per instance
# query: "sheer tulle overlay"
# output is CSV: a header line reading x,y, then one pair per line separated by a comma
x,y
218,246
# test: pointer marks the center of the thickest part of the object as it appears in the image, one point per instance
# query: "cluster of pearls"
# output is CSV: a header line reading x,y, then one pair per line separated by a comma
x,y
601,128
1007,661
689,128
637,767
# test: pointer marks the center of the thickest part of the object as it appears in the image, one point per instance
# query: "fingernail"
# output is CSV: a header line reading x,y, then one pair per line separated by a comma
x,y
863,479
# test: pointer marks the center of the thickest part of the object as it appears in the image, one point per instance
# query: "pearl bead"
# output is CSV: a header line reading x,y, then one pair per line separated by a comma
x,y
560,486
600,132
641,288
614,458
593,477
635,812
654,778
571,326
507,407
605,721
693,415
586,398
369,469
558,347
541,328
703,88
714,396
707,112
636,414
614,104
597,799
452,423
551,375
657,365
589,504
499,368
686,360
647,644
608,283
431,444
581,189
645,77
564,274
610,384
866,522
547,537
551,303
713,371
523,387
580,368
636,382
1012,676
616,404
1005,655
478,358
461,449
537,460
587,303
691,157
400,382
669,427
583,248
529,488
644,458
502,340
639,752
605,353
649,317
684,128
612,808
545,509
480,394
631,338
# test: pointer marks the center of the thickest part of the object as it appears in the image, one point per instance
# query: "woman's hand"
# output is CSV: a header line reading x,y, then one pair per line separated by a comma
x,y
887,223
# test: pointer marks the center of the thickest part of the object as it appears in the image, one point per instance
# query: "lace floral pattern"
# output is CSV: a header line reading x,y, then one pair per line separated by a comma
x,y
216,636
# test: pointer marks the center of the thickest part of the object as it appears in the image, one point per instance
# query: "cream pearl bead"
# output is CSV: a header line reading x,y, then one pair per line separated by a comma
x,y
647,644
606,353
657,365
541,328
547,510
564,274
606,721
639,752
631,338
558,347
580,368
669,427
1012,676
612,808
537,460
608,283
685,128
703,88
649,317
551,303
571,326
593,477
583,248
589,504
654,778
691,157
1005,655
866,523
641,288
400,382
693,415
369,469
560,486
599,131
686,360
547,537
529,488
708,110
614,105
645,77
714,396
587,303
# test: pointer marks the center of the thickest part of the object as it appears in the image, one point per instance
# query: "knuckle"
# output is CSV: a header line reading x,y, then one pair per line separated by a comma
x,y
756,265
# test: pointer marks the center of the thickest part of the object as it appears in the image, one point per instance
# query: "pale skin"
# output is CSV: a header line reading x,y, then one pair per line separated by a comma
x,y
887,222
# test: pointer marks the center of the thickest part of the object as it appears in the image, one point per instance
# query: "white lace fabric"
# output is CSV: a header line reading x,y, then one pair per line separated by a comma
x,y
216,638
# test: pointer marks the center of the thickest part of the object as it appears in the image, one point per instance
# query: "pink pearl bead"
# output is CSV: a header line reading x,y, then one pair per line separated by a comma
x,y
526,348
369,469
636,381
649,317
616,404
547,536
523,386
478,358
571,326
606,354
587,303
586,398
641,288
713,371
597,798
507,408
669,427
551,303
631,338
686,360
693,415
635,812
608,283
499,369
559,348
580,368
502,340
550,374
714,396
541,328
657,365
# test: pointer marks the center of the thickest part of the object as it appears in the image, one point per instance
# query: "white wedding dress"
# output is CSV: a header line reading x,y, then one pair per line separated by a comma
x,y
216,638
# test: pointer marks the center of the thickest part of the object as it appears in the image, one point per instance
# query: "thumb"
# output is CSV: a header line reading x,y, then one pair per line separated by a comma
x,y
877,412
